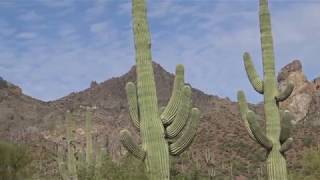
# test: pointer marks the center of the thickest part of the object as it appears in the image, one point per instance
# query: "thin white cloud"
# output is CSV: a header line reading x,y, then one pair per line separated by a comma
x,y
99,27
26,35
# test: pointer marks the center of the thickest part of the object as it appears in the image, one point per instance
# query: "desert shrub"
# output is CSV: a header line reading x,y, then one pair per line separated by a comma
x,y
310,167
128,168
14,161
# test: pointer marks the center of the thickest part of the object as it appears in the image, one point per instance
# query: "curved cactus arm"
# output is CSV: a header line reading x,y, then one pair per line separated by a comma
x,y
243,106
283,95
130,145
188,135
286,145
182,115
132,97
256,130
252,74
171,109
286,125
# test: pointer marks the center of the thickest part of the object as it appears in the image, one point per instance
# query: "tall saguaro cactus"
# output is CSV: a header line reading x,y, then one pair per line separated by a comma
x,y
277,139
170,132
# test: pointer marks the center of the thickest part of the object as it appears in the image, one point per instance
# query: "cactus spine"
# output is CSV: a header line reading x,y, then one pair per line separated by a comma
x,y
170,132
277,139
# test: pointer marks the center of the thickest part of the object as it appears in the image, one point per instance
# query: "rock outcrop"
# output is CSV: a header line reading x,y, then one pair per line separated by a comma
x,y
299,101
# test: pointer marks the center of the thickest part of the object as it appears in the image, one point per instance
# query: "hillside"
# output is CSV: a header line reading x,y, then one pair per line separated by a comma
x,y
221,130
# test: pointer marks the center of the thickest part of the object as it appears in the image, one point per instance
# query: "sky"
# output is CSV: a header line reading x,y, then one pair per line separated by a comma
x,y
51,48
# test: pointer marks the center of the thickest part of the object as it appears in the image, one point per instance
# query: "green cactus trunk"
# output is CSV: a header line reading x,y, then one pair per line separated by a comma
x,y
276,164
71,160
276,140
151,128
165,134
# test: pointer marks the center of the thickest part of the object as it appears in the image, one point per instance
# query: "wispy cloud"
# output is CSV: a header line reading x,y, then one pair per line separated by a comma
x,y
26,35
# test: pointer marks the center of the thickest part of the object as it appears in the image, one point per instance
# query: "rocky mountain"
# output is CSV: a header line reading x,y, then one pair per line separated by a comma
x,y
305,96
221,131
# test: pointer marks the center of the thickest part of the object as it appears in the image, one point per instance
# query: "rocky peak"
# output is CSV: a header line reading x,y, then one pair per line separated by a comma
x,y
294,66
303,93
93,84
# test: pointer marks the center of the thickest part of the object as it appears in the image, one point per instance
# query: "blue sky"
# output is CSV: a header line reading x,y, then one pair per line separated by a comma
x,y
51,48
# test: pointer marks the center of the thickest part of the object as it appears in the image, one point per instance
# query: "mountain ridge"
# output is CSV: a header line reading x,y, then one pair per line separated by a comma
x,y
221,131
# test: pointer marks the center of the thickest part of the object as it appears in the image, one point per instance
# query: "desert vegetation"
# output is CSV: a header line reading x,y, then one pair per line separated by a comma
x,y
166,133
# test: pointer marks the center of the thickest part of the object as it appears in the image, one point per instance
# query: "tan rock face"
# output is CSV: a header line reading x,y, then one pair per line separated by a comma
x,y
294,66
300,99
299,105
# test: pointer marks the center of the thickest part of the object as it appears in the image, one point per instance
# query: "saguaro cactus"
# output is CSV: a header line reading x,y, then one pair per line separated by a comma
x,y
67,163
87,162
277,139
170,132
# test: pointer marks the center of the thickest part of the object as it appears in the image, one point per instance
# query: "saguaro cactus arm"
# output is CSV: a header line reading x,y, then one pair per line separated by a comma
x,y
182,114
256,130
286,125
130,145
175,100
253,76
188,134
283,95
132,97
286,145
243,106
